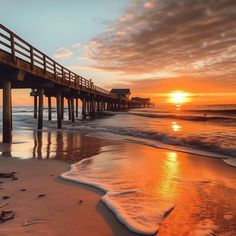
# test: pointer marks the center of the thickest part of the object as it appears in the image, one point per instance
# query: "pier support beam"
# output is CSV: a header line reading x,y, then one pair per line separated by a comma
x,y
7,110
35,106
62,107
84,108
88,106
59,111
93,103
72,109
40,112
77,107
49,108
69,108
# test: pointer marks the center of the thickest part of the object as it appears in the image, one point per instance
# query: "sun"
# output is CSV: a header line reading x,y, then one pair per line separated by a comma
x,y
178,97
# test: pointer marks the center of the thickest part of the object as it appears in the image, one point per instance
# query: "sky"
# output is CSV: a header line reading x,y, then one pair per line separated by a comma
x,y
153,47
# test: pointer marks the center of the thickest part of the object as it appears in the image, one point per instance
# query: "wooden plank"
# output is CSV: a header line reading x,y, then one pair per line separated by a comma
x,y
5,37
5,45
22,47
22,53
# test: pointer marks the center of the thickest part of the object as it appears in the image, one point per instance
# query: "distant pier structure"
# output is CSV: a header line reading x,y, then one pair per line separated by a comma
x,y
23,66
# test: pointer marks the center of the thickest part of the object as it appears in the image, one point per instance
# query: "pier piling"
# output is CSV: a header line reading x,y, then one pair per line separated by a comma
x,y
40,111
84,108
62,107
77,107
7,112
59,111
49,108
35,106
72,110
69,108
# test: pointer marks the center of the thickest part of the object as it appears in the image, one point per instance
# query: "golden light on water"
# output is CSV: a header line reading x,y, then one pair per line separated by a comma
x,y
175,126
178,97
170,169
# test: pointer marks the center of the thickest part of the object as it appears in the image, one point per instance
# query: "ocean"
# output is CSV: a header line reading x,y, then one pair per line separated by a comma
x,y
161,155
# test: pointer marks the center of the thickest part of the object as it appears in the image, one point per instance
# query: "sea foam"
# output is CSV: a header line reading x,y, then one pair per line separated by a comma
x,y
133,206
231,161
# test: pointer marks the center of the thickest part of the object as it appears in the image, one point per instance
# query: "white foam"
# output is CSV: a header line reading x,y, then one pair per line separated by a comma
x,y
231,161
132,207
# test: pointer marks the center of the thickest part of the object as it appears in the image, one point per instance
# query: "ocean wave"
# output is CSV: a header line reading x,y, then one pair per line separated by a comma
x,y
186,117
188,144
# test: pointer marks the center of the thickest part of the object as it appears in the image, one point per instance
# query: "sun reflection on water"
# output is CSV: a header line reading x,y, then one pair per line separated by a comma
x,y
170,169
175,126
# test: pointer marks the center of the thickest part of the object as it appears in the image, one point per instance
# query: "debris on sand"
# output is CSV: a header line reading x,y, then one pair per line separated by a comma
x,y
5,197
41,195
27,223
9,176
6,215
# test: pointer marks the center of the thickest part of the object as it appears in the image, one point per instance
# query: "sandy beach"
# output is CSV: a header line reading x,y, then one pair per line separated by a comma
x,y
207,204
66,209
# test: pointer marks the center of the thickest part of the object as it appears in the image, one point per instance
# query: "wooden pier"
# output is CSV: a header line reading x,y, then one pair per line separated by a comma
x,y
24,66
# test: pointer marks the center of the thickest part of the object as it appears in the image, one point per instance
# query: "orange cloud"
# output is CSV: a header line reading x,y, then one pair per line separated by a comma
x,y
63,53
187,37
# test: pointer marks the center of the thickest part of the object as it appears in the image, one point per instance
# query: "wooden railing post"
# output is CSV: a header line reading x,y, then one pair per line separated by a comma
x,y
55,69
13,53
32,57
62,74
69,78
44,64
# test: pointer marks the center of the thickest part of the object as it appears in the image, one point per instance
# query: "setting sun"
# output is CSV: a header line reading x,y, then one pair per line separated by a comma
x,y
178,97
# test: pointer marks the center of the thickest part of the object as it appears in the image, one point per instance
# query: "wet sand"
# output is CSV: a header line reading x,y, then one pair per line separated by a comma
x,y
207,202
61,208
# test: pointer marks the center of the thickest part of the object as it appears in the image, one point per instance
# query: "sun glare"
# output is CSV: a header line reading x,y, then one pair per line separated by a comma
x,y
178,97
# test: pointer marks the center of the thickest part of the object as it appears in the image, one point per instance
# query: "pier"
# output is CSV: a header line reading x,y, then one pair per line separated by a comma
x,y
23,66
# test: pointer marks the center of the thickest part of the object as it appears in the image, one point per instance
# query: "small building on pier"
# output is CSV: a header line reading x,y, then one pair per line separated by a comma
x,y
122,93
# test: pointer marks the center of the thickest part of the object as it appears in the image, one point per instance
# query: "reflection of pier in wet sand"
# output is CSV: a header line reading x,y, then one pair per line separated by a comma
x,y
68,146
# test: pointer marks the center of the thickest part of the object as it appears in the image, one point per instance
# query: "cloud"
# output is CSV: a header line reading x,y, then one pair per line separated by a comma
x,y
185,37
162,85
63,53
77,45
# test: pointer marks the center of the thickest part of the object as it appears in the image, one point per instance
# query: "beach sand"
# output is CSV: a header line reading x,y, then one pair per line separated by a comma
x,y
61,208
74,209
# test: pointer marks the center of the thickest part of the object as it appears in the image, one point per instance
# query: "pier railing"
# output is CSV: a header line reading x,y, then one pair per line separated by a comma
x,y
19,48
